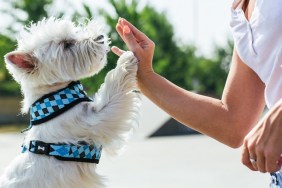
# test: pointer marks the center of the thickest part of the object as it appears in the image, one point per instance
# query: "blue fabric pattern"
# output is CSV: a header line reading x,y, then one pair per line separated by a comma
x,y
276,180
80,153
51,105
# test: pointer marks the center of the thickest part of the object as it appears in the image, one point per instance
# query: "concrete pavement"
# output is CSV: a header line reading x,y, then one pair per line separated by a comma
x,y
167,162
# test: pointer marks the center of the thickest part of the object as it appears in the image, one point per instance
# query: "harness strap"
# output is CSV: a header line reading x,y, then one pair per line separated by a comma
x,y
65,152
53,104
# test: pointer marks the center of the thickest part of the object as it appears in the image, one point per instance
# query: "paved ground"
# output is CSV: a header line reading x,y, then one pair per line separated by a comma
x,y
168,162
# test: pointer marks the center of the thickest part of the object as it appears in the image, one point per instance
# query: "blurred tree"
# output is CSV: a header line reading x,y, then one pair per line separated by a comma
x,y
22,13
34,11
208,75
7,85
170,60
175,61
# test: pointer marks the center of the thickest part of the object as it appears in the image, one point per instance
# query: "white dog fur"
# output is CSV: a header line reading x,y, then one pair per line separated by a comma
x,y
51,54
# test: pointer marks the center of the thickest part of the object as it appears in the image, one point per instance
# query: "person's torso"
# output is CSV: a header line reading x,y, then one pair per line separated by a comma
x,y
258,42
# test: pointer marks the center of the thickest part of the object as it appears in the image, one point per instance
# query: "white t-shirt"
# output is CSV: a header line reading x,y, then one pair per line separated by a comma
x,y
259,44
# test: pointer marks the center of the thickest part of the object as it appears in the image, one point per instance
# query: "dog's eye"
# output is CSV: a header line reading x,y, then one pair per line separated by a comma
x,y
68,44
99,39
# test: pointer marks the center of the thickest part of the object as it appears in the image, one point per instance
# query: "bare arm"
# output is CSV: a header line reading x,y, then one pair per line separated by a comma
x,y
227,120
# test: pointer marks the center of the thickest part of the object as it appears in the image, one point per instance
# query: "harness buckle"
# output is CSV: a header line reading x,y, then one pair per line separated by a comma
x,y
39,147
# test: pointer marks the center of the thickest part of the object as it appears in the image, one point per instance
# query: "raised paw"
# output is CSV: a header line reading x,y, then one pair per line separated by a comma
x,y
128,61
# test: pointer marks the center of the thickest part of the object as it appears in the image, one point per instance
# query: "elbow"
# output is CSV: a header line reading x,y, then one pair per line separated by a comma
x,y
237,140
236,144
238,131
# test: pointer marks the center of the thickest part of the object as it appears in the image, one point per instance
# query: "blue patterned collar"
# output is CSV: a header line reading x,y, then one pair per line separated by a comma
x,y
51,105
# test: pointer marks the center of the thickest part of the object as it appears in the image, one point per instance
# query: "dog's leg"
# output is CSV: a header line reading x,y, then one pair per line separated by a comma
x,y
115,109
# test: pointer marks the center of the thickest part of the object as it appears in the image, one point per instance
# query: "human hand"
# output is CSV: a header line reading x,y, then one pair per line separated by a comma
x,y
264,143
137,42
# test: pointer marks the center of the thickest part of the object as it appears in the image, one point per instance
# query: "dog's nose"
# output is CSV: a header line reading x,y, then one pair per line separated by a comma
x,y
100,39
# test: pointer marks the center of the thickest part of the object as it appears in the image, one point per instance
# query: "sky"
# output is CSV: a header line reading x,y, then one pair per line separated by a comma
x,y
201,22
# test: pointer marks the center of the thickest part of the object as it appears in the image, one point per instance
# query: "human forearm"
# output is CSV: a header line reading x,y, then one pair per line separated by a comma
x,y
228,120
207,115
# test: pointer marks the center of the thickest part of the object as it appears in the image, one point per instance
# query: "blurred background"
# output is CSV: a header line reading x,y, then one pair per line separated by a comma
x,y
193,50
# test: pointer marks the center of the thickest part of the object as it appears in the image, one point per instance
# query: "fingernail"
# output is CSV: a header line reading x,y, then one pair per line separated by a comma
x,y
126,30
122,20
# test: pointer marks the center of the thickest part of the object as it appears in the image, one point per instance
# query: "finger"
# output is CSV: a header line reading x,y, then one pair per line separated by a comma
x,y
279,162
272,157
137,33
261,162
272,160
246,158
119,29
272,165
253,159
130,39
117,51
120,21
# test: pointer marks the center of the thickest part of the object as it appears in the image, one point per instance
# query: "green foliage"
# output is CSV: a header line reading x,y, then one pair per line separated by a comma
x,y
178,63
35,9
208,75
169,59
7,86
6,45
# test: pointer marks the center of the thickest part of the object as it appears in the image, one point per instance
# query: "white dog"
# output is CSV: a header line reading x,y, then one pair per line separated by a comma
x,y
63,144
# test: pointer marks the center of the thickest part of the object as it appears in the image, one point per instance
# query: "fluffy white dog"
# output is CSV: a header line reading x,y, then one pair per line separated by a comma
x,y
51,54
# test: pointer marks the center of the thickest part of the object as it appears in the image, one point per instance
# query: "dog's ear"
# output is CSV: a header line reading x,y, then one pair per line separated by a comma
x,y
21,60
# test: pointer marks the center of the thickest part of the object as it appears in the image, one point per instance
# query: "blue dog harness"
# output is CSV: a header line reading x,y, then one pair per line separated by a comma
x,y
56,103
65,152
51,106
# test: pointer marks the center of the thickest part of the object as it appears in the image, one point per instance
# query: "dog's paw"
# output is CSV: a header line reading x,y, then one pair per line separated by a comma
x,y
128,62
